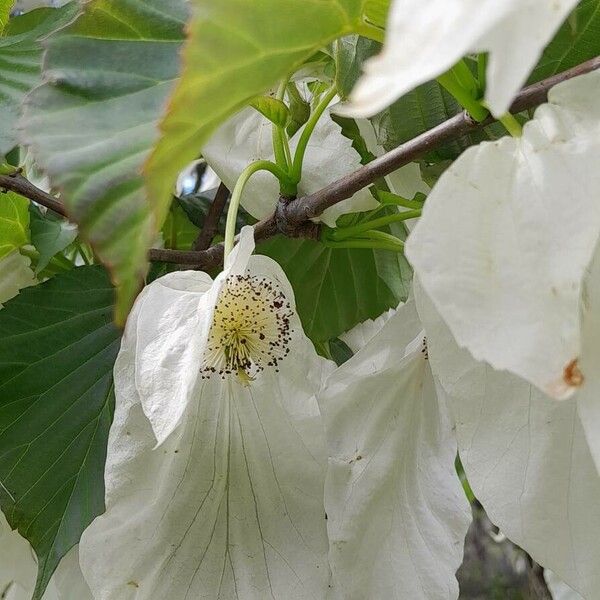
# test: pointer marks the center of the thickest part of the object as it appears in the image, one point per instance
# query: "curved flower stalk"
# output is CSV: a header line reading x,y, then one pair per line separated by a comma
x,y
506,237
525,457
15,274
246,137
425,39
216,458
397,514
18,570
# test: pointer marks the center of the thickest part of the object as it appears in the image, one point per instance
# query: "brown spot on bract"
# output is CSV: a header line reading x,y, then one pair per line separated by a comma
x,y
135,584
572,375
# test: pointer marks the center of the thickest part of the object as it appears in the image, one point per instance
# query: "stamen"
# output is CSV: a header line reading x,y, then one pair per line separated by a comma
x,y
250,329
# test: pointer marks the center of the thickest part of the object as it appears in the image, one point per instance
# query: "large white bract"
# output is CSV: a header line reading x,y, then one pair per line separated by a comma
x,y
397,514
229,503
588,397
525,457
247,137
507,235
18,566
18,571
425,39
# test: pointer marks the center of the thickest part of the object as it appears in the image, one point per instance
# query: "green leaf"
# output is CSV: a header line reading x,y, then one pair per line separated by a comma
x,y
337,289
236,50
50,235
376,12
14,222
350,54
20,63
340,351
57,349
299,110
271,108
577,40
351,131
91,126
196,206
178,231
5,6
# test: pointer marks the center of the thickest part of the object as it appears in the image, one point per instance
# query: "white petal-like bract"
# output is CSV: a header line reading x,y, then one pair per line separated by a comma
x,y
361,334
18,566
588,396
507,235
425,39
230,505
246,137
525,457
559,589
18,571
397,514
68,579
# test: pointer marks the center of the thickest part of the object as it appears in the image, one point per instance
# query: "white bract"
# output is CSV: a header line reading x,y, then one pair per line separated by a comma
x,y
18,567
360,335
247,137
506,237
559,589
18,571
425,39
397,514
15,274
588,397
229,503
525,457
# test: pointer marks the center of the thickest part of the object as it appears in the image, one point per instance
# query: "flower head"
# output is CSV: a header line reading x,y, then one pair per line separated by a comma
x,y
251,328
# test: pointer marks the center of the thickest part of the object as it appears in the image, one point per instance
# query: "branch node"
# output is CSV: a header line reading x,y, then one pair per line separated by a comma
x,y
290,227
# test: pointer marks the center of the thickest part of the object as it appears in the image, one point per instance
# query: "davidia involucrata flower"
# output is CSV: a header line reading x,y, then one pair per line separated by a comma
x,y
216,458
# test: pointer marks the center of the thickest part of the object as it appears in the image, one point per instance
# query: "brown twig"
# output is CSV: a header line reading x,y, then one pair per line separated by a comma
x,y
211,222
15,182
296,214
457,126
293,218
